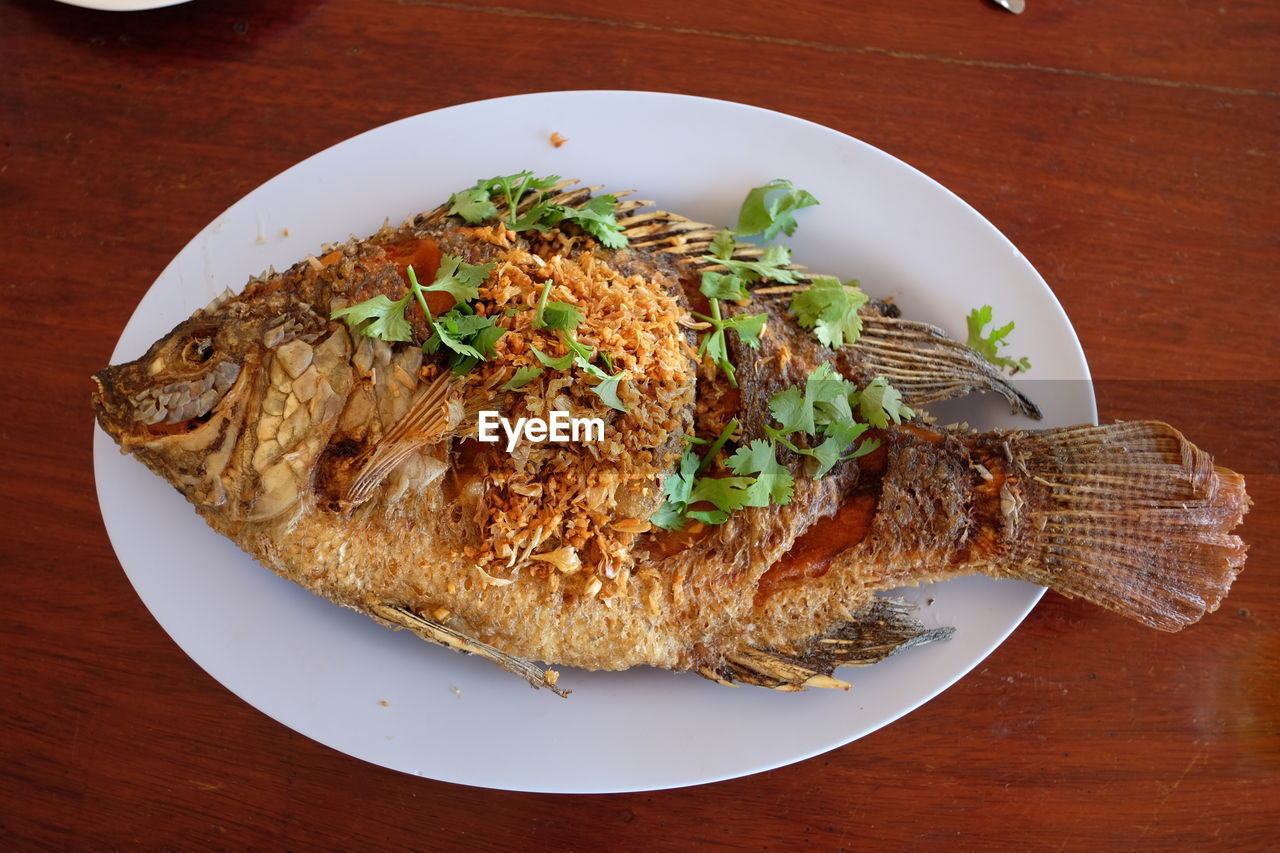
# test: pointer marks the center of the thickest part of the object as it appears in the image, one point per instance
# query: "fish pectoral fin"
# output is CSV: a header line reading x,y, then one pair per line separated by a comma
x,y
880,629
1130,516
927,366
426,420
434,632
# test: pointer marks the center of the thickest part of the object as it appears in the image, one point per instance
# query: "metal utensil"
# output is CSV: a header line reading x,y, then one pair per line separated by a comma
x,y
1014,6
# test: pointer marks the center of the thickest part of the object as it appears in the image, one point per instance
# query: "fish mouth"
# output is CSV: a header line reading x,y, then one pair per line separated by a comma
x,y
176,407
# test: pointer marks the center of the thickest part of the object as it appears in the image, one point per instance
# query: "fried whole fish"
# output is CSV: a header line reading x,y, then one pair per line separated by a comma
x,y
351,466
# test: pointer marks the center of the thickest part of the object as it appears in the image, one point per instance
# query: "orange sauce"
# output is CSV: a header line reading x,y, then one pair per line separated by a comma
x,y
424,256
811,555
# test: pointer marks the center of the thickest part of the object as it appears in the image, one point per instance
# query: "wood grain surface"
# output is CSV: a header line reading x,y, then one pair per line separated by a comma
x,y
1129,149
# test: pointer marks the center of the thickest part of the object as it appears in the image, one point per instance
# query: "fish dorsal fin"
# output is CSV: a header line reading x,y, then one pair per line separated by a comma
x,y
919,359
426,420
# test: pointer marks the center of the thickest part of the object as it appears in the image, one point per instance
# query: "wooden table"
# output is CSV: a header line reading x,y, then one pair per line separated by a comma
x,y
1128,148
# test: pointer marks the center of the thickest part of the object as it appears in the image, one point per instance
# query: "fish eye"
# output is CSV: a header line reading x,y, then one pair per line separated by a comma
x,y
198,351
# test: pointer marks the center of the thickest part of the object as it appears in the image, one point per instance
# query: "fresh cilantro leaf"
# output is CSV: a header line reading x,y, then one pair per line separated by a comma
x,y
564,362
679,486
456,277
773,481
824,385
771,208
485,338
513,189
535,218
524,374
720,286
771,266
794,410
823,410
580,356
474,205
561,315
378,317
582,351
723,244
454,331
880,403
597,217
450,340
466,337
844,430
830,309
607,388
726,493
669,517
864,448
828,454
555,315
748,327
987,345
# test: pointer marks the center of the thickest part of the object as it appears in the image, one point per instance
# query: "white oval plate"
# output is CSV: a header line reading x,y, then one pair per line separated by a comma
x,y
393,700
123,5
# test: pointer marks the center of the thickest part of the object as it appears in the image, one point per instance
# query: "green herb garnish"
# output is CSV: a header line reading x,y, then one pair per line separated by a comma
x,y
523,376
771,208
555,315
564,318
475,204
816,420
598,217
748,327
460,330
466,337
988,345
830,309
687,487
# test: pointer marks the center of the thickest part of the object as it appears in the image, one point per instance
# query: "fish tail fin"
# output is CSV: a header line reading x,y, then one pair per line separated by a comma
x,y
880,629
1130,516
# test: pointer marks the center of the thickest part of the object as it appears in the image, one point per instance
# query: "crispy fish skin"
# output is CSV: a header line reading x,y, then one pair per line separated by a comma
x,y
264,413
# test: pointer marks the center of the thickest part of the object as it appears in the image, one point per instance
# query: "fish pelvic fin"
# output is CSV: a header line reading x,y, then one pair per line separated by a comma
x,y
879,630
1130,516
434,632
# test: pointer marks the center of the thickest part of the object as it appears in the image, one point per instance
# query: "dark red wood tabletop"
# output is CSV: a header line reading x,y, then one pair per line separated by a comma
x,y
1128,148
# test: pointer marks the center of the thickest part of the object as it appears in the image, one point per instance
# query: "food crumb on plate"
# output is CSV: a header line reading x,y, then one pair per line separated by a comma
x,y
557,140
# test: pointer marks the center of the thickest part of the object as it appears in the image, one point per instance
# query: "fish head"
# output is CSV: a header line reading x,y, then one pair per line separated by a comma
x,y
226,406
